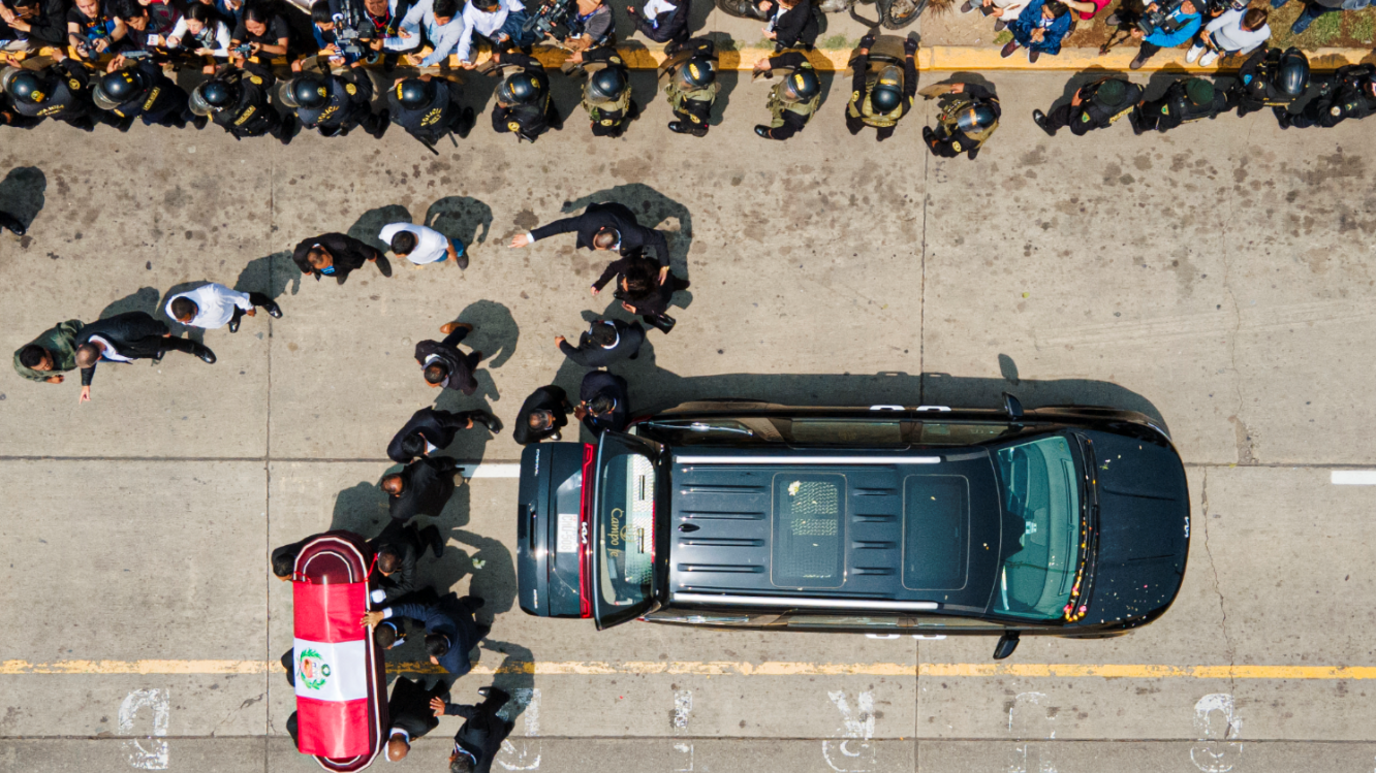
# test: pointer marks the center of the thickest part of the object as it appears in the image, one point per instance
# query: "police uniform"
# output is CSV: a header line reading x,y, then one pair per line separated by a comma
x,y
1094,111
1350,95
163,104
1186,100
10,116
1255,87
252,115
431,122
861,112
787,118
949,140
692,107
348,103
609,118
70,100
527,121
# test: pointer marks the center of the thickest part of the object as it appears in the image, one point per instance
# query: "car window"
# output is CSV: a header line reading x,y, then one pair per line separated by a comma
x,y
809,530
941,433
625,526
686,432
846,431
936,531
1041,502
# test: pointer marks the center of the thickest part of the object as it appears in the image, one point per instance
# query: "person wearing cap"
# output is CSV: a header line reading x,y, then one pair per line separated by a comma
x,y
542,415
423,245
212,306
480,737
1350,94
969,114
1235,31
1185,100
881,93
410,715
604,227
524,105
1040,29
47,357
1095,106
792,101
692,85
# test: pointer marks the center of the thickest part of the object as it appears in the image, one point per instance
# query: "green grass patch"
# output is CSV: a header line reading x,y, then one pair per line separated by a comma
x,y
1323,31
1361,26
837,41
1002,38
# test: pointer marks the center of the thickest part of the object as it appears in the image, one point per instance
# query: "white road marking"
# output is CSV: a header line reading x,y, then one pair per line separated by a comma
x,y
684,748
854,753
1216,753
1353,478
529,699
683,706
493,470
139,757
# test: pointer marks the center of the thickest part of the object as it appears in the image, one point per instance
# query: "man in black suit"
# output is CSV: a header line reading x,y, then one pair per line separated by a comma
x,y
411,715
608,226
397,549
433,430
335,254
448,637
603,403
480,738
422,487
607,341
126,337
443,365
542,415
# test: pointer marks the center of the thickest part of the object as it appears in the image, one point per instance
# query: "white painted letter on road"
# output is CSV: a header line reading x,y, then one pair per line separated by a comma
x,y
155,757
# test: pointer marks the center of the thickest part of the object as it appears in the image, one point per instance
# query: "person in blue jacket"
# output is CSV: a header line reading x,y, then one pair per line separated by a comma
x,y
1040,27
1177,29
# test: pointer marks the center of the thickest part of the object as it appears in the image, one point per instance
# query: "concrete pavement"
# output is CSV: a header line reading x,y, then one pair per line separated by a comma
x,y
1216,277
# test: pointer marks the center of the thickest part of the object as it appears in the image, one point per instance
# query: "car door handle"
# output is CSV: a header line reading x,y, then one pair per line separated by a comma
x,y
933,409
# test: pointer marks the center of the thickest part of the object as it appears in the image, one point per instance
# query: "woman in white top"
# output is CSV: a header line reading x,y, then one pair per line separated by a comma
x,y
203,32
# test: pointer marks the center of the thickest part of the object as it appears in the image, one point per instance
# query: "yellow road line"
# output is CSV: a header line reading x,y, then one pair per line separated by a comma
x,y
731,668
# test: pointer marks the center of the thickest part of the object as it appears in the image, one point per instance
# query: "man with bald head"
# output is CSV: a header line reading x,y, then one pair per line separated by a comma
x,y
423,487
410,714
127,337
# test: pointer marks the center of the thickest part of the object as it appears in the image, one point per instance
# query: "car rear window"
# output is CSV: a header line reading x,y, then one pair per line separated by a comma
x,y
936,531
809,530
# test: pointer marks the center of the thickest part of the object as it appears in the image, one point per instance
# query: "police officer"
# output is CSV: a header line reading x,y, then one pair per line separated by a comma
x,y
61,91
238,101
524,105
691,70
141,90
793,100
1095,106
1269,78
428,109
607,93
1185,100
334,104
966,119
1351,94
881,92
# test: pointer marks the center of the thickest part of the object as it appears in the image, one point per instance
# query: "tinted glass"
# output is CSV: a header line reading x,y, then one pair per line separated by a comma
x,y
1041,500
940,433
625,525
809,530
936,531
860,432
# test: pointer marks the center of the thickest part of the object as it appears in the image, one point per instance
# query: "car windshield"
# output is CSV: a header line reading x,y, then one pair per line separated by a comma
x,y
1041,503
625,525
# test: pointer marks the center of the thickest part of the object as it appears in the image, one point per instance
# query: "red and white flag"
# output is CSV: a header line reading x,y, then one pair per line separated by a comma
x,y
331,661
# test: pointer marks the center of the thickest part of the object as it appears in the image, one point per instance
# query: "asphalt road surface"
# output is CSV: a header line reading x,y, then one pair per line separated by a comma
x,y
1218,277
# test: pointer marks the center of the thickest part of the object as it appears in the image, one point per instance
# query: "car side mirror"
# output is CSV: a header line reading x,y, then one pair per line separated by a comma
x,y
1008,641
1012,407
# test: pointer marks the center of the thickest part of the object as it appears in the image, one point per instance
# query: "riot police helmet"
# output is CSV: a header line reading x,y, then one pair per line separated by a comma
x,y
1292,75
887,93
977,117
29,86
120,87
215,94
697,73
309,91
414,93
802,85
519,88
607,84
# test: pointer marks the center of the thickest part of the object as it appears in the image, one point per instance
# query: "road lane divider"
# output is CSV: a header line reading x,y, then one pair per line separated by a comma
x,y
1353,478
491,470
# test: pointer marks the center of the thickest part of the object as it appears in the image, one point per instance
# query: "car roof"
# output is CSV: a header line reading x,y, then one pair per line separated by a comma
x,y
899,525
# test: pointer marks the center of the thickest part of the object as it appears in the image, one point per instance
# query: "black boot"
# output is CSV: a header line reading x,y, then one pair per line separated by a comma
x,y
13,223
662,321
234,319
1039,118
377,123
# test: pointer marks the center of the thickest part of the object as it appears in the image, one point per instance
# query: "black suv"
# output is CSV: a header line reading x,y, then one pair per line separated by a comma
x,y
1063,521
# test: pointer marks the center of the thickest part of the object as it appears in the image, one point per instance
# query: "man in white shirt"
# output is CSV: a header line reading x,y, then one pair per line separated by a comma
x,y
443,27
421,245
212,306
499,22
1235,31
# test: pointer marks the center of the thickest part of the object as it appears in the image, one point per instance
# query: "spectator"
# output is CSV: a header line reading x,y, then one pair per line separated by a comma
x,y
1233,32
266,33
29,24
1005,12
443,27
590,25
1086,8
232,11
498,22
201,31
793,24
1181,25
1313,9
1041,29
90,31
662,21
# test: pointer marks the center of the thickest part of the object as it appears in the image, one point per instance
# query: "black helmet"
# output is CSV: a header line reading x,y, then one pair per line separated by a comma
x,y
697,73
217,94
887,93
976,117
307,91
801,86
520,88
1292,76
414,93
29,86
607,84
119,87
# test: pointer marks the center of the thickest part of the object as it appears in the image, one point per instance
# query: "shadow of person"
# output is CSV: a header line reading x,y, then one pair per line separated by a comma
x,y
145,299
460,217
495,332
493,574
21,193
362,508
515,676
271,275
651,209
366,228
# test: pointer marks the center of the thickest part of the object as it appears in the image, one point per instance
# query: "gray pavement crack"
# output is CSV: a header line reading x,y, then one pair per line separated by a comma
x,y
1218,589
1245,453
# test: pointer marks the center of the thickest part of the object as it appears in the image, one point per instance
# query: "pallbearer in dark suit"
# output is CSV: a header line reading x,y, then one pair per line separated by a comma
x,y
444,365
480,738
609,226
126,337
422,487
542,415
431,430
606,341
603,403
411,715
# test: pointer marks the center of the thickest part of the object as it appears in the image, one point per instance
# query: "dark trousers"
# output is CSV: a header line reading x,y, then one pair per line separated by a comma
x,y
854,124
1058,118
156,346
257,299
1147,51
454,338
